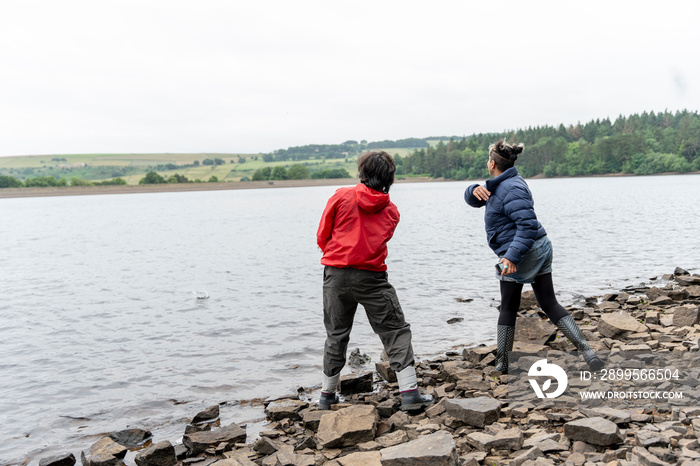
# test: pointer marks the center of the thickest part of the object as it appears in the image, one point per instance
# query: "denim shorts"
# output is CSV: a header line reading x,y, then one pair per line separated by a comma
x,y
537,261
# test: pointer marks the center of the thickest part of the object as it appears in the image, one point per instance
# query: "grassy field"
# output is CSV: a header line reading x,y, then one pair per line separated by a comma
x,y
133,167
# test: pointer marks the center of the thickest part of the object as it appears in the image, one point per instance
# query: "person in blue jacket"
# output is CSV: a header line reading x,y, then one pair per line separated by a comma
x,y
525,252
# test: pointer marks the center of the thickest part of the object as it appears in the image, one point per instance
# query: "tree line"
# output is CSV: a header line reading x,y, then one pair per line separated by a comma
x,y
637,144
348,148
7,181
297,172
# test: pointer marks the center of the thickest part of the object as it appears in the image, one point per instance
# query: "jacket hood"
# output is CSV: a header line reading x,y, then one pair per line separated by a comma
x,y
370,200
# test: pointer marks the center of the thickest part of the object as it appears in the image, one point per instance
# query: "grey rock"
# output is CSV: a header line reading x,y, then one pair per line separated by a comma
x,y
654,293
647,438
662,301
209,414
594,430
104,452
474,355
533,330
60,460
617,323
641,456
608,305
477,412
199,442
131,438
688,280
312,417
285,409
392,439
266,446
436,449
348,426
685,316
385,371
356,383
159,454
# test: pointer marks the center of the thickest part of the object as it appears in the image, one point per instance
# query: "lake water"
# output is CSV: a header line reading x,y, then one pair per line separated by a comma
x,y
100,328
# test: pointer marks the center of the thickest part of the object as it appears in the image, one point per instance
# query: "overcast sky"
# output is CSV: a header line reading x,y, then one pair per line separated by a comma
x,y
234,76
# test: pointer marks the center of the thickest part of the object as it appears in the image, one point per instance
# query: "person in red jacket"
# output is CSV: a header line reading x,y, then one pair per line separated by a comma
x,y
355,227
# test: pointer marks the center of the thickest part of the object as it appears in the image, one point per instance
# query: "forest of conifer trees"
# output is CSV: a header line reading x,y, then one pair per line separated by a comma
x,y
638,144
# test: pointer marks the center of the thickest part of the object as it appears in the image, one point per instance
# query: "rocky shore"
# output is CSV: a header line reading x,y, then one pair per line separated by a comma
x,y
479,417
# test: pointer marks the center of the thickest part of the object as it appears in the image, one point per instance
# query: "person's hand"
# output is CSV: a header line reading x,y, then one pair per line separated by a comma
x,y
508,267
481,193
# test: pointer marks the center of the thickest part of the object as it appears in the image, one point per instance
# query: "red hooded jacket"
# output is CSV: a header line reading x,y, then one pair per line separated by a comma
x,y
355,227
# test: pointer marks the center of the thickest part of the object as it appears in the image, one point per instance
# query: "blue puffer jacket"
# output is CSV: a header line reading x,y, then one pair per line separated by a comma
x,y
511,223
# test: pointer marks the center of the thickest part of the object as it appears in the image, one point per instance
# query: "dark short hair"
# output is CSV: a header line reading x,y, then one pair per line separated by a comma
x,y
504,154
376,170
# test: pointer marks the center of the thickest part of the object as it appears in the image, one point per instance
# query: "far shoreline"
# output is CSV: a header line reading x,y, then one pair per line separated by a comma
x,y
10,193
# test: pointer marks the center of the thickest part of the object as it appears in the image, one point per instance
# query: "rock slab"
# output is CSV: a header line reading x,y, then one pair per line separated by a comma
x,y
616,323
61,460
105,452
348,426
160,454
436,449
594,430
198,442
477,412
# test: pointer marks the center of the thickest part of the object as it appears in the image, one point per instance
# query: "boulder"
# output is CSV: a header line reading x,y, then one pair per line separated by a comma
x,y
311,417
533,330
473,355
688,280
199,442
654,293
385,371
356,383
60,460
594,430
608,305
160,454
436,449
266,446
661,301
477,412
285,409
685,316
693,291
618,323
348,426
131,438
209,414
105,452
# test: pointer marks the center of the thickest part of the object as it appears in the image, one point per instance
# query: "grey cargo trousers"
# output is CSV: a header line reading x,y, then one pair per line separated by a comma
x,y
343,290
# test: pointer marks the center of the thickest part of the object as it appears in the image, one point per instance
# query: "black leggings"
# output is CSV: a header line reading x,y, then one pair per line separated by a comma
x,y
544,292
